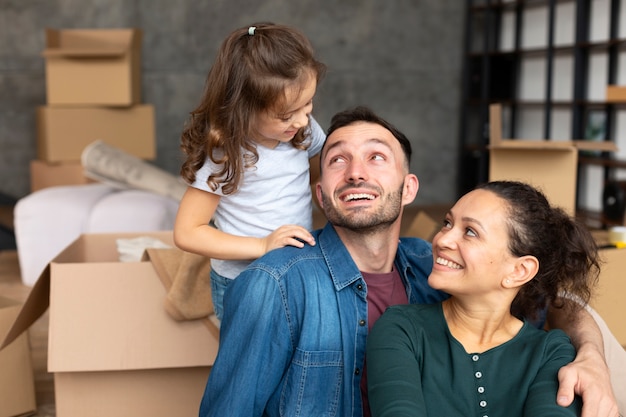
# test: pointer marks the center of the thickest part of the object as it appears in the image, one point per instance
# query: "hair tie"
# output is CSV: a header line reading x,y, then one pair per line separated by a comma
x,y
251,30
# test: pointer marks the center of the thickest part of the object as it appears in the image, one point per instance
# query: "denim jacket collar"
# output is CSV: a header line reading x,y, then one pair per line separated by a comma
x,y
343,270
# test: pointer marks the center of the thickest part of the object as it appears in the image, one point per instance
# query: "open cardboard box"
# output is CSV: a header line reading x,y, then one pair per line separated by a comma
x,y
608,299
17,385
112,347
608,296
64,132
549,165
93,66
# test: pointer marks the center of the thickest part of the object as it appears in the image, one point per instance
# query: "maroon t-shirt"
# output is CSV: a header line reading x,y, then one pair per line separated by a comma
x,y
383,290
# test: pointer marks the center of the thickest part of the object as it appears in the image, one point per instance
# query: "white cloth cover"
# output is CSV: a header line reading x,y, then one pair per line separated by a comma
x,y
48,220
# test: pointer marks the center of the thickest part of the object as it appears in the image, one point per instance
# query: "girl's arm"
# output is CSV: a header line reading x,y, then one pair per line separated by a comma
x,y
193,233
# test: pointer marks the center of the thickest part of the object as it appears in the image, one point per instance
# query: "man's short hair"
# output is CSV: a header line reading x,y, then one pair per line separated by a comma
x,y
365,114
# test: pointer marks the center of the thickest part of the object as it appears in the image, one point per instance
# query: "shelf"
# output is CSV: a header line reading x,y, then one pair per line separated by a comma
x,y
557,49
604,162
590,105
550,89
506,5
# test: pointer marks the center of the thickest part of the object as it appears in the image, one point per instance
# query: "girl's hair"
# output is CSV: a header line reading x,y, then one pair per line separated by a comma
x,y
569,263
253,69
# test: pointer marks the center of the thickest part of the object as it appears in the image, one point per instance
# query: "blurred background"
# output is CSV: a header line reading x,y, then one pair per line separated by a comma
x,y
402,58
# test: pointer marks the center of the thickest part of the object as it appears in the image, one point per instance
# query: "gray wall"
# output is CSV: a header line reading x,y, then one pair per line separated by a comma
x,y
400,57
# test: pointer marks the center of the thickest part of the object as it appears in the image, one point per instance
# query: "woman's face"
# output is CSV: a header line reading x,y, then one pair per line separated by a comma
x,y
471,254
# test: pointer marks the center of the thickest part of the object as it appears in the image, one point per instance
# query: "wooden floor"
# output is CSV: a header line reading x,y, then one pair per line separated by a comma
x,y
11,286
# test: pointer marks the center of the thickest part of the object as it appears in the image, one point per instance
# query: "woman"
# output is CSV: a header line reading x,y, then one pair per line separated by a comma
x,y
502,248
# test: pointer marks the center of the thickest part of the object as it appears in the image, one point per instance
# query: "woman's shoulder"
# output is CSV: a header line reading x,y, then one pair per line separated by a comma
x,y
414,313
554,340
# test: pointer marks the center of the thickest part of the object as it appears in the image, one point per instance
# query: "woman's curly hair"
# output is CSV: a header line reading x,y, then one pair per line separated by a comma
x,y
569,263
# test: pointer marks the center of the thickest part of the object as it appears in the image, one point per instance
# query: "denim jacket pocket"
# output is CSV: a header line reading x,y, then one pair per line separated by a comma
x,y
313,384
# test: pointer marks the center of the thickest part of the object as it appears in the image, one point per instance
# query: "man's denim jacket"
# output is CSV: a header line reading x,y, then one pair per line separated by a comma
x,y
293,336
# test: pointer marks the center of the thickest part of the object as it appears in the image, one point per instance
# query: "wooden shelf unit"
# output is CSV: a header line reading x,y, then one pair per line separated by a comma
x,y
548,63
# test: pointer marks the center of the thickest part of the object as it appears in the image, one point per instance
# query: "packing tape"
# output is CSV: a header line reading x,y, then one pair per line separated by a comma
x,y
617,236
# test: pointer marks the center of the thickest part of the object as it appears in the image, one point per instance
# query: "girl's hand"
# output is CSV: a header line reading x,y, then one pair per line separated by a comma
x,y
287,235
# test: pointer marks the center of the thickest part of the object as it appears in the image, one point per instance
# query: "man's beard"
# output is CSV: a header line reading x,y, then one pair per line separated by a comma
x,y
360,219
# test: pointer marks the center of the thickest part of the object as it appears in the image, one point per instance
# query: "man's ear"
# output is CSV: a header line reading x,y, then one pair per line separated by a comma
x,y
318,194
524,269
409,189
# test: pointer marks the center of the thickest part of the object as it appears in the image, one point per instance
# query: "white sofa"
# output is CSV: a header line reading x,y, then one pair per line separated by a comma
x,y
47,220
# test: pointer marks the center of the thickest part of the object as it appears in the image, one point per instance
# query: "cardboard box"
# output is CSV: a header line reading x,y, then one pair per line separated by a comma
x,y
422,226
63,132
93,66
549,165
112,346
17,385
47,174
609,298
616,94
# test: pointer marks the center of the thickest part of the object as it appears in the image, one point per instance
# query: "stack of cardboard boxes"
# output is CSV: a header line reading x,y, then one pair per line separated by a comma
x,y
93,88
112,347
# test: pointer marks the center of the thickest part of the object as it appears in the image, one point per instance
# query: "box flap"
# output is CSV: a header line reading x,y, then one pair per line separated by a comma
x,y
35,306
90,43
91,38
7,319
100,52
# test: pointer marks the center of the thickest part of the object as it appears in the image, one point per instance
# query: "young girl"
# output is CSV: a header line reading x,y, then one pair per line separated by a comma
x,y
248,146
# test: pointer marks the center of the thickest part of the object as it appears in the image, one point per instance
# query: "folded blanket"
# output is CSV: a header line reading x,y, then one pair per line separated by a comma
x,y
186,278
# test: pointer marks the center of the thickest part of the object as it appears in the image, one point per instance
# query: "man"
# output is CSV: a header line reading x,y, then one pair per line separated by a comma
x,y
295,322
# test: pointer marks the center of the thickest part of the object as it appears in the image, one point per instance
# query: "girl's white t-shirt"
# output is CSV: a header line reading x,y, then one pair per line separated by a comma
x,y
275,192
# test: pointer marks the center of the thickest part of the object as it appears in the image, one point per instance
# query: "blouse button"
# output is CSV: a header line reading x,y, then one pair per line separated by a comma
x,y
359,287
481,390
361,322
478,374
357,371
483,403
475,358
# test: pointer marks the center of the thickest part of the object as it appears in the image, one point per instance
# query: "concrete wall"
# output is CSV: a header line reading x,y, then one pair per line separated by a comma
x,y
401,57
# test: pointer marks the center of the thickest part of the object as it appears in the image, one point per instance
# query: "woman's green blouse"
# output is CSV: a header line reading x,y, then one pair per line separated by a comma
x,y
415,367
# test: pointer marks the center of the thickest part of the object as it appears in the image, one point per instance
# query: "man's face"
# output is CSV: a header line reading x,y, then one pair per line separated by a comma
x,y
364,179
